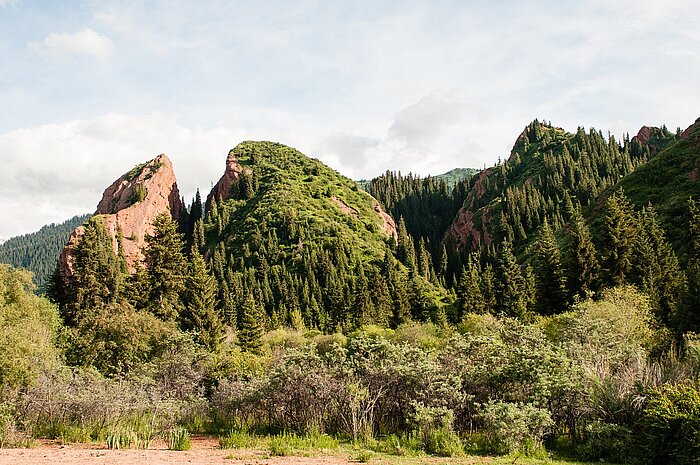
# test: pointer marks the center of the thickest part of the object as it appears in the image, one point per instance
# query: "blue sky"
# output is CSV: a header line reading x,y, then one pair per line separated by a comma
x,y
90,88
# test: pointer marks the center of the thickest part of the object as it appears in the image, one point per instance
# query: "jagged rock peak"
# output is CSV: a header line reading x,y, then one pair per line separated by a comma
x,y
128,208
222,188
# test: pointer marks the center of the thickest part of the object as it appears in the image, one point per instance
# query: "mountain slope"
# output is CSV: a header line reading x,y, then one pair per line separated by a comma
x,y
546,166
308,244
38,251
667,180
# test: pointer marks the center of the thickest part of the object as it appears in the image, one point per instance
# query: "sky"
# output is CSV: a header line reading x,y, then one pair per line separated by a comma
x,y
90,88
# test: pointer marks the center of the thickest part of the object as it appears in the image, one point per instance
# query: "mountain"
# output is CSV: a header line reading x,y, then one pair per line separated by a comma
x,y
667,180
308,243
38,251
456,175
127,210
547,167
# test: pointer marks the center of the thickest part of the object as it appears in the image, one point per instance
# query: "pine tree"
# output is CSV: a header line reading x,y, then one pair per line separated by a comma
x,y
583,267
488,288
619,237
471,298
689,318
549,273
166,267
199,315
97,278
510,284
252,327
657,270
405,250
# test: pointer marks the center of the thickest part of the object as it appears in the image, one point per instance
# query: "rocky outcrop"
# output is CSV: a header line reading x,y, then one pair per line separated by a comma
x,y
388,224
128,208
692,133
463,232
644,135
222,188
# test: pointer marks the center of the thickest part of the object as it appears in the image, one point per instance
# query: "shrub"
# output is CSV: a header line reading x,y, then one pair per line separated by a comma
x,y
605,442
670,425
433,425
511,427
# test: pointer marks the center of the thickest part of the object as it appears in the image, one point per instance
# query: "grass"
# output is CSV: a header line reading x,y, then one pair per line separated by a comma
x,y
393,450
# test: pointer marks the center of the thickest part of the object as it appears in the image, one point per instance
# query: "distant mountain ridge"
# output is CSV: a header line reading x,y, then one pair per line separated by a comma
x,y
38,251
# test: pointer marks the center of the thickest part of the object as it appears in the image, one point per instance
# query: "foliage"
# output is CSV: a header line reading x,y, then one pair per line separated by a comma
x,y
671,425
511,427
28,326
38,252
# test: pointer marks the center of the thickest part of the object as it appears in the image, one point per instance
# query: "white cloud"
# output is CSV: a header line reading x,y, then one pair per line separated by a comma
x,y
55,171
86,42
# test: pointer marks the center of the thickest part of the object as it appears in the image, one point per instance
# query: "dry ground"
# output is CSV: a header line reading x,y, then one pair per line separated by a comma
x,y
205,451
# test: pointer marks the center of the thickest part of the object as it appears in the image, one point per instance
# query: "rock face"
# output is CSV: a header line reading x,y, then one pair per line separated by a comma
x,y
222,188
463,233
130,204
388,224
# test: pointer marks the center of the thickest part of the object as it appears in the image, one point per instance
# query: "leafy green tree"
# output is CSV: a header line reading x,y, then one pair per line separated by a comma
x,y
167,267
199,315
28,326
549,273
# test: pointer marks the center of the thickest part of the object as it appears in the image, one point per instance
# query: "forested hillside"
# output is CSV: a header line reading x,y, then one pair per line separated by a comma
x,y
550,303
38,251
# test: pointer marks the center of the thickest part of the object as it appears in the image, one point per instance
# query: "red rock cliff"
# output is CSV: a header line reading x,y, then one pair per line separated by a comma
x,y
130,204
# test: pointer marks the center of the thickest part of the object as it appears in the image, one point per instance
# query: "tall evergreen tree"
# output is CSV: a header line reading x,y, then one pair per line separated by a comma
x,y
252,325
620,230
656,266
471,298
166,267
199,315
689,317
582,264
549,273
511,299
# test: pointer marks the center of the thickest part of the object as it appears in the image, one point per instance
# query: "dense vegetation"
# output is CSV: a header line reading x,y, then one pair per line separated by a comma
x,y
284,308
38,251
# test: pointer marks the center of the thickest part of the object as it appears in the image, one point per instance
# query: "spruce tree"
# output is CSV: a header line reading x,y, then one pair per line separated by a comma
x,y
620,230
583,267
549,274
199,315
405,250
471,298
510,284
689,318
166,267
252,327
657,270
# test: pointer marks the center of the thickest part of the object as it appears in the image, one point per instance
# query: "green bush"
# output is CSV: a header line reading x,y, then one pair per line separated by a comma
x,y
670,425
605,442
434,427
514,427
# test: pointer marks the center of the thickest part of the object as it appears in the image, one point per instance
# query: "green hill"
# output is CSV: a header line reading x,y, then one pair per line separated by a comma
x,y
456,175
666,181
38,251
308,243
547,167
